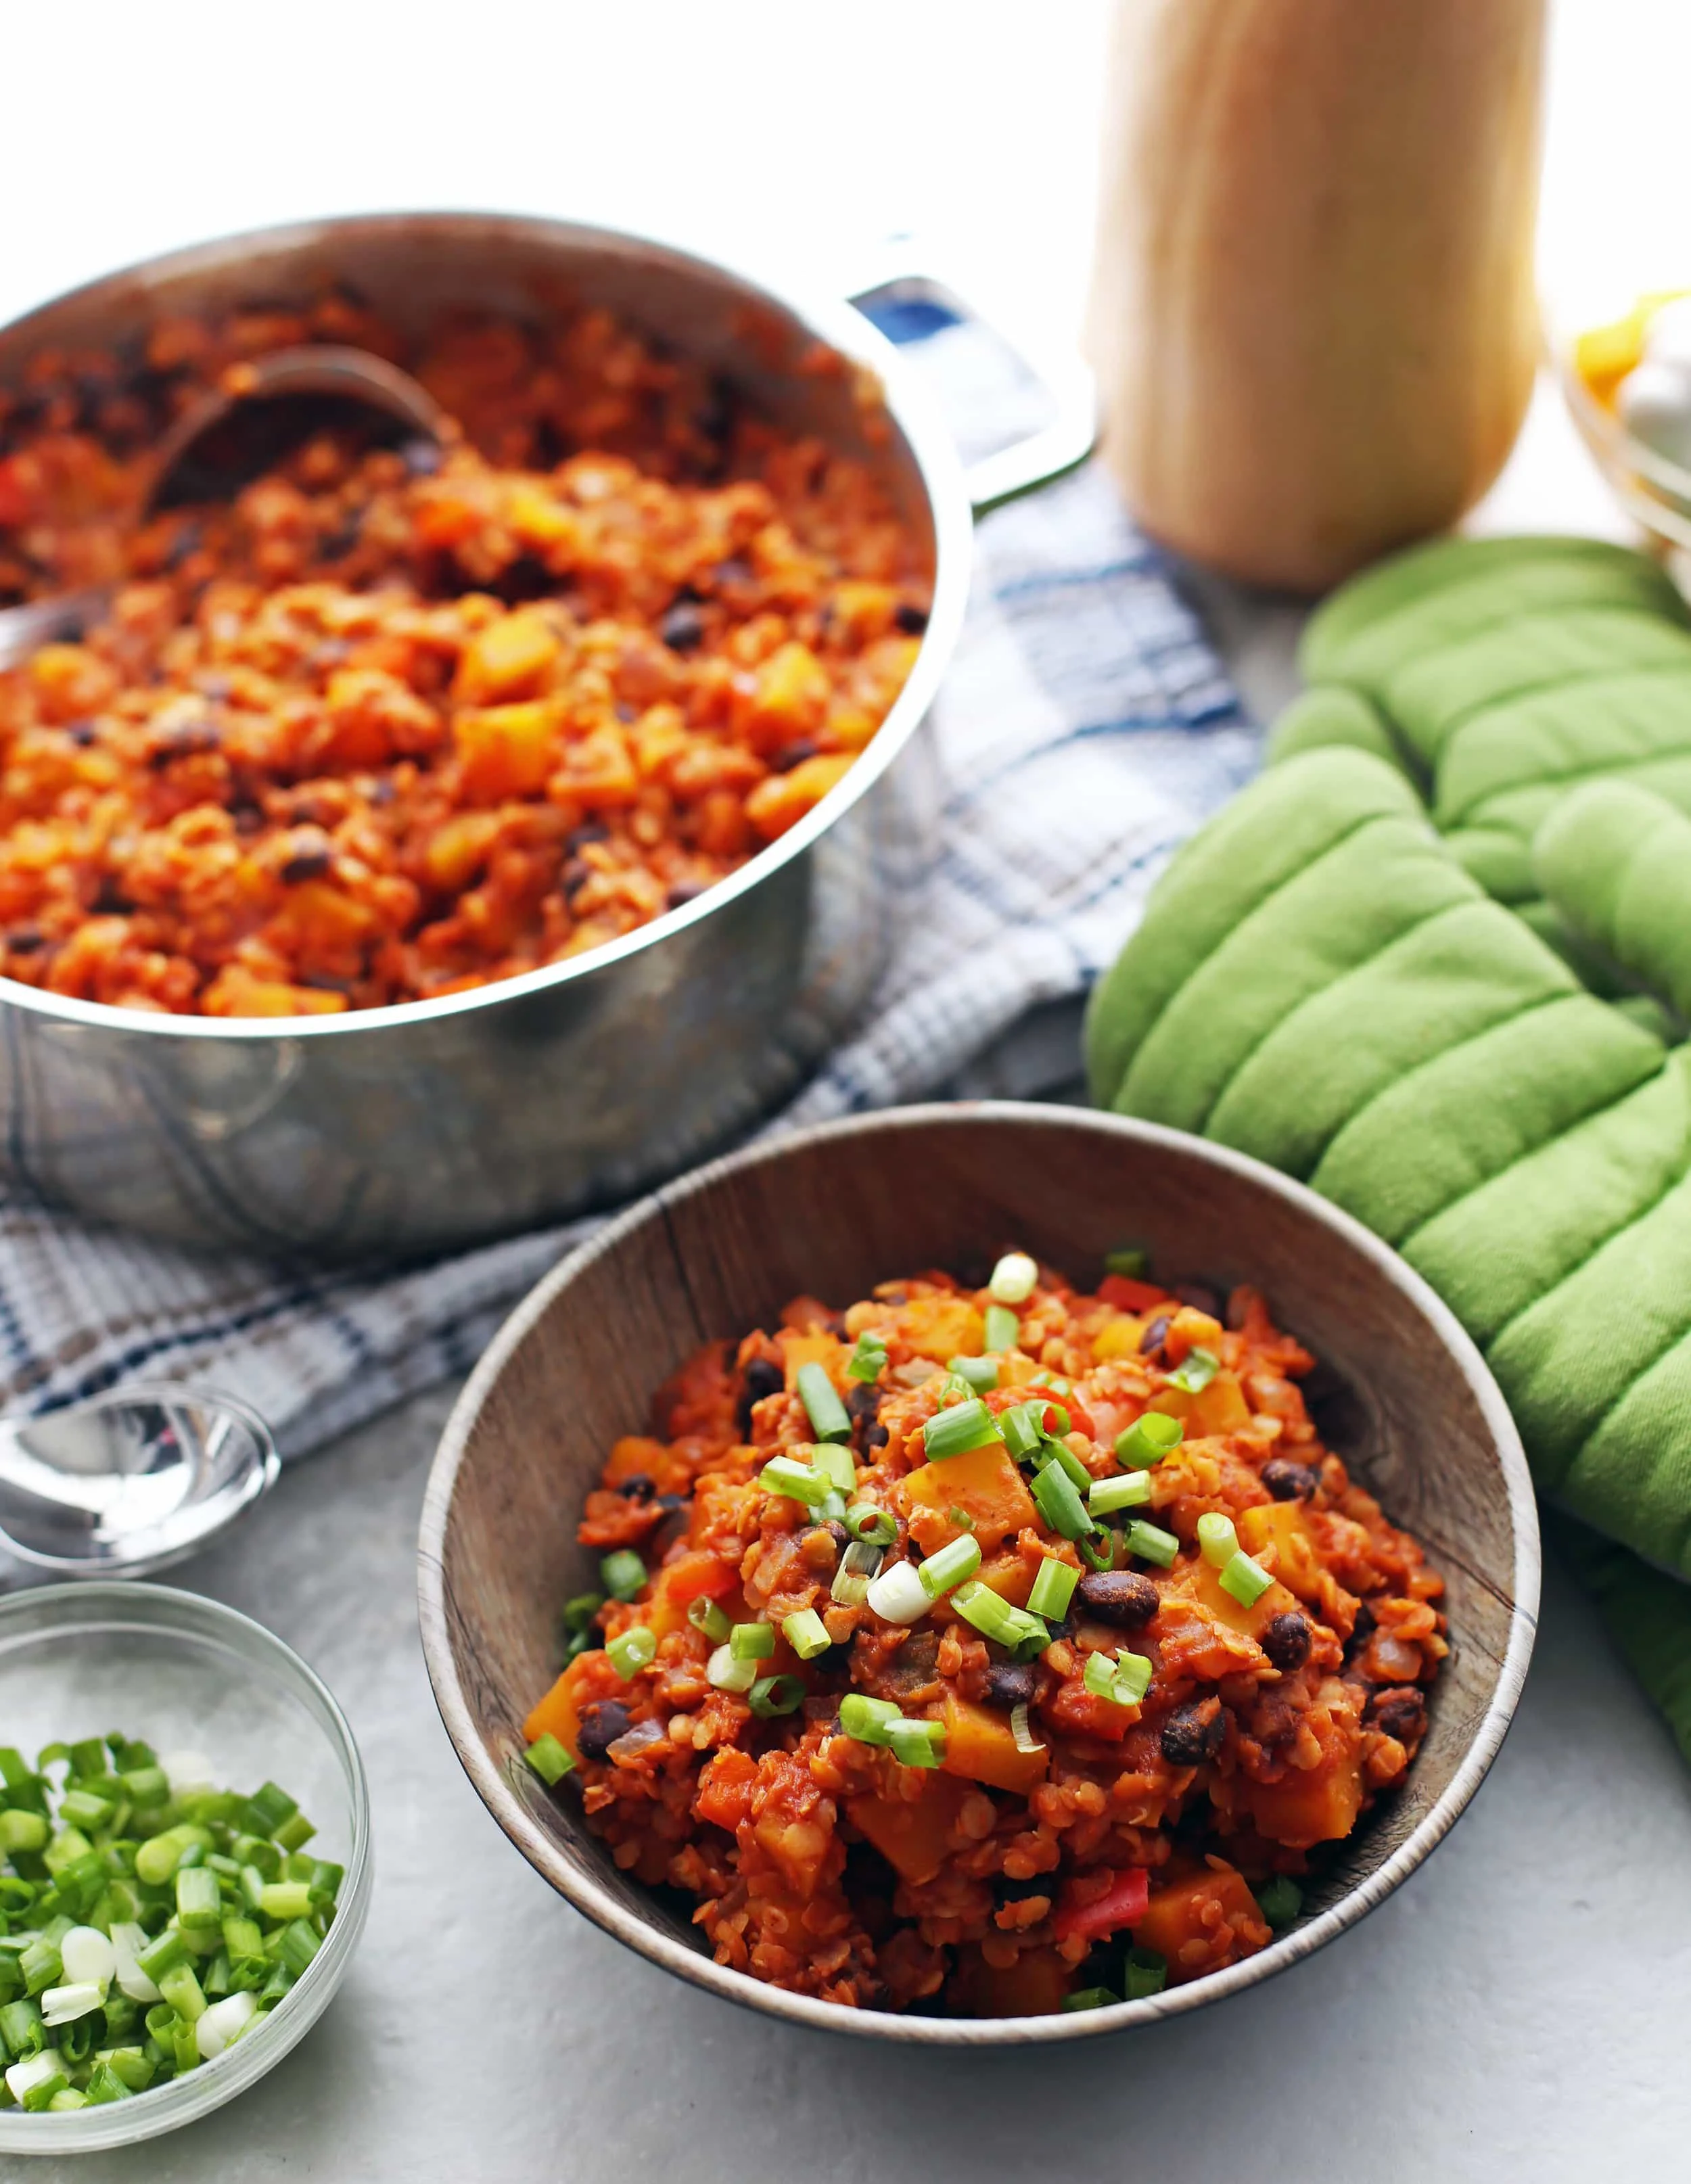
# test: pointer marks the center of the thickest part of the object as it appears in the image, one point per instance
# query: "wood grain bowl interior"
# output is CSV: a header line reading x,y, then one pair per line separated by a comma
x,y
1401,1393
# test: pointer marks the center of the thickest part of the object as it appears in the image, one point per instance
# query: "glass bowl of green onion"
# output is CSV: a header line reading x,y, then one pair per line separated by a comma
x,y
185,1860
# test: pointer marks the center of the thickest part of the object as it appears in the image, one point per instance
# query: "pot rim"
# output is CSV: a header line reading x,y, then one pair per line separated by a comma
x,y
588,1896
913,409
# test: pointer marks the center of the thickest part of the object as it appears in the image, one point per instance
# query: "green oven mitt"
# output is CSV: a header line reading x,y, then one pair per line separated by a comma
x,y
1414,1022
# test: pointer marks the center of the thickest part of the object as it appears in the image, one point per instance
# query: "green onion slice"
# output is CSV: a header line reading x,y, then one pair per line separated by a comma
x,y
1200,1368
865,1719
751,1641
1152,1543
806,1634
917,1743
1099,1550
829,1420
868,1362
636,1649
1053,1588
966,1425
875,1527
1217,1541
577,1613
1013,1279
1090,1997
834,1461
979,1373
1132,1259
1022,1730
1147,1974
1246,1579
1132,1490
958,1560
1148,1439
621,1574
1279,1901
725,1674
773,1695
707,1615
994,1617
785,1474
549,1759
1002,1329
1059,1502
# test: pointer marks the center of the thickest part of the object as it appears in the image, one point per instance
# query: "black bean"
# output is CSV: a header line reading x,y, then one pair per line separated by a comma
x,y
306,864
421,458
1011,1683
27,939
685,891
575,877
591,830
188,540
792,754
875,1436
1152,1338
602,1722
1194,1733
1367,1624
638,1487
759,1378
337,544
683,626
82,733
1124,1598
1200,1296
527,577
248,817
912,621
1286,1641
1400,1712
321,982
863,1400
111,900
734,570
1288,1480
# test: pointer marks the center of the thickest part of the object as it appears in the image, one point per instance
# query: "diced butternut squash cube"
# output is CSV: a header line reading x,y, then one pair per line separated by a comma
x,y
597,772
782,799
1189,1329
458,849
1283,1527
1121,1339
1207,1586
1200,1919
941,1327
824,1350
1033,1986
791,696
1317,1805
559,1713
506,660
508,750
1011,1576
678,1585
913,1836
984,1483
1218,1407
981,1746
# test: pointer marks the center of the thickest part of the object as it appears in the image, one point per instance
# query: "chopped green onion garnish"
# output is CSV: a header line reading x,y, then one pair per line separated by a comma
x,y
877,1528
897,1594
1097,1550
1132,1490
868,1362
866,1720
1022,1730
961,1517
22,1831
1058,1451
1132,1259
580,1612
917,1743
829,1420
806,1634
1147,1974
1133,1674
785,1474
858,1565
723,1673
1200,1368
1246,1579
1099,1677
1059,1502
1148,1439
1090,1997
1053,1588
979,1373
953,1562
1021,1429
198,1905
1003,1329
994,1616
707,1615
966,1425
1279,1901
834,1463
1013,1279
751,1641
621,1574
1217,1541
1152,1543
773,1695
636,1649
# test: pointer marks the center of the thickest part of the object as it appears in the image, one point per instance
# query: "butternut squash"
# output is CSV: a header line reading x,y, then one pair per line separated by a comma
x,y
981,1746
984,1483
913,1834
1313,309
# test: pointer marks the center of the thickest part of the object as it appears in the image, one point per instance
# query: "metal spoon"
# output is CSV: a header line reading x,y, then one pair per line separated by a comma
x,y
125,1483
304,378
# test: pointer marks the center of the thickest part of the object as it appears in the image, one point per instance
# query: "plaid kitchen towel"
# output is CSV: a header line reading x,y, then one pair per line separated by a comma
x,y
1085,730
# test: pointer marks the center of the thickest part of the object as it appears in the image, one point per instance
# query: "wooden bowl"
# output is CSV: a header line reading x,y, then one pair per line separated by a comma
x,y
1401,1393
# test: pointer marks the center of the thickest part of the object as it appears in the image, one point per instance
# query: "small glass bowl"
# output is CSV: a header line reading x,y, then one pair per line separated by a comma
x,y
1655,492
183,1672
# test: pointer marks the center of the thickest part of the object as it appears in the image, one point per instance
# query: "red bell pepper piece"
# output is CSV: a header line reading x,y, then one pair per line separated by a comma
x,y
1123,1903
1127,1295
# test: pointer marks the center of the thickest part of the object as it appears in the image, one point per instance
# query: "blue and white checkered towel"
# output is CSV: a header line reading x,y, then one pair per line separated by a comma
x,y
1086,729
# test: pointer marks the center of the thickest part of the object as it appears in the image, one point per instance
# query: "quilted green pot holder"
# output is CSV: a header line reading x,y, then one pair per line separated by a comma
x,y
1437,963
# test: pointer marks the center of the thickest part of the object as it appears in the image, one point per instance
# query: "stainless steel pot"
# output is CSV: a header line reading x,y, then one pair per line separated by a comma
x,y
408,1129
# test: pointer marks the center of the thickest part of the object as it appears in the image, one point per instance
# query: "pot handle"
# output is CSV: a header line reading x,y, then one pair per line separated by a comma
x,y
1058,447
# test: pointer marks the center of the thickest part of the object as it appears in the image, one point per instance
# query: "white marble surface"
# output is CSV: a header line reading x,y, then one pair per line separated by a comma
x,y
1518,2011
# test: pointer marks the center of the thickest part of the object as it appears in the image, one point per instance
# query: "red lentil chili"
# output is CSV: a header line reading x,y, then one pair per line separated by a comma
x,y
992,1651
395,724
